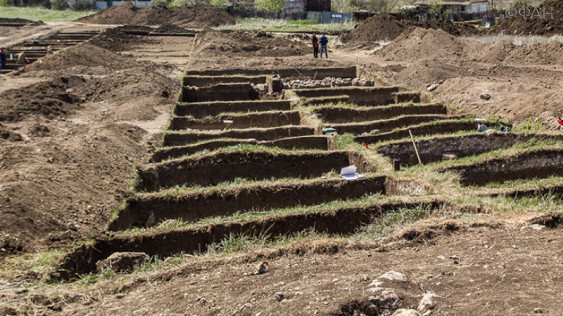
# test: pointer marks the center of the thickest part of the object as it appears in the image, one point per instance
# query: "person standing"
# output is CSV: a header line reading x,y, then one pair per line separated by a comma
x,y
315,46
324,41
2,59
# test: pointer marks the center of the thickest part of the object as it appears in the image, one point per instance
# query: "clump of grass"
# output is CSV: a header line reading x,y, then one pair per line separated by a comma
x,y
392,221
258,24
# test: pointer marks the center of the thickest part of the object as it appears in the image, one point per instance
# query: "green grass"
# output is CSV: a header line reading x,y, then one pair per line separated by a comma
x,y
258,24
37,14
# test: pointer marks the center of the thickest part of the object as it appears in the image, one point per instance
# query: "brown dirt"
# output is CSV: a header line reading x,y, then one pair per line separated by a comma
x,y
474,268
535,26
383,27
243,43
81,134
85,55
524,80
198,16
116,39
170,28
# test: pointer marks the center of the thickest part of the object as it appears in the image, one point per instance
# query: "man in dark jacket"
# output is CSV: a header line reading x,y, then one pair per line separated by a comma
x,y
2,59
324,41
315,46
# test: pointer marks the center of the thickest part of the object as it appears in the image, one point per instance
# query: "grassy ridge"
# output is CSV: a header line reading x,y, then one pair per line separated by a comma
x,y
38,14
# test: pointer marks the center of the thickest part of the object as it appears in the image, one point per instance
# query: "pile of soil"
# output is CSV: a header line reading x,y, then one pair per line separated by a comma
x,y
198,16
383,27
418,43
51,99
380,27
170,28
457,29
82,55
117,39
535,26
242,43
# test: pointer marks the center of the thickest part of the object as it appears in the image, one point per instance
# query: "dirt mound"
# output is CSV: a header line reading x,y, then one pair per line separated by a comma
x,y
8,135
420,44
198,16
50,98
380,27
117,39
170,28
81,55
242,43
383,27
537,25
456,29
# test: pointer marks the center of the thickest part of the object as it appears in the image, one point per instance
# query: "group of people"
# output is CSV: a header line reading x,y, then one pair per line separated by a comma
x,y
322,42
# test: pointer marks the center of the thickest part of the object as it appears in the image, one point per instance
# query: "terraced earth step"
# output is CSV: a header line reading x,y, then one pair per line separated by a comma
x,y
214,108
432,150
422,129
185,138
285,73
541,163
338,114
151,209
301,142
346,220
389,124
200,81
556,191
219,92
357,95
214,168
250,120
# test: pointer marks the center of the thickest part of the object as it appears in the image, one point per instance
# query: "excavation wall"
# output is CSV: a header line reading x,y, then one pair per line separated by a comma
x,y
317,73
347,115
266,119
203,109
150,209
178,139
220,92
432,150
533,164
212,169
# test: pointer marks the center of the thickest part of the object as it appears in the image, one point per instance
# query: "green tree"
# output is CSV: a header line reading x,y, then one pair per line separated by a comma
x,y
270,5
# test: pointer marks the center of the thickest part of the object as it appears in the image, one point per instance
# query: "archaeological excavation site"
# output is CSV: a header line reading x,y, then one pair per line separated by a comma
x,y
185,161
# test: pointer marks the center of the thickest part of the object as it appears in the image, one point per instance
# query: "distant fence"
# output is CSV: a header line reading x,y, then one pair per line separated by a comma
x,y
106,4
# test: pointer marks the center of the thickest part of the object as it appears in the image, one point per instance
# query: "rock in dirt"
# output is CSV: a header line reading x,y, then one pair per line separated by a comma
x,y
394,276
432,87
406,312
279,296
122,261
485,96
428,302
261,268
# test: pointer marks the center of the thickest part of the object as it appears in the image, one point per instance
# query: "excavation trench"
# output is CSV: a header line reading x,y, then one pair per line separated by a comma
x,y
554,190
203,109
430,128
303,142
201,81
251,120
184,138
357,95
196,240
348,115
435,149
388,124
219,92
527,165
316,73
149,210
211,169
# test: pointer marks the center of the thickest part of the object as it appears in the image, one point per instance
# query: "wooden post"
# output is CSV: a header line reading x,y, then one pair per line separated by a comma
x,y
415,149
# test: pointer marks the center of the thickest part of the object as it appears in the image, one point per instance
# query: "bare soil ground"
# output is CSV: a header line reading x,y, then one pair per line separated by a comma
x,y
85,116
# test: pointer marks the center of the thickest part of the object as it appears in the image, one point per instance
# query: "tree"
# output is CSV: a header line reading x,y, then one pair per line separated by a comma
x,y
270,5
